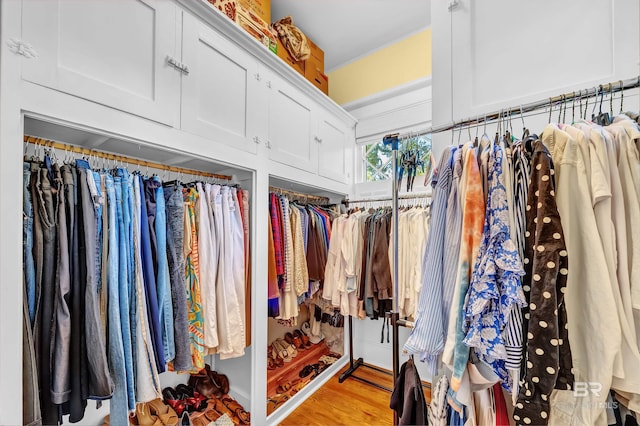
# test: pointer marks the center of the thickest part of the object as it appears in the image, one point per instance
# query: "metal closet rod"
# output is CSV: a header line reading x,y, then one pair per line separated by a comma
x,y
129,160
317,199
400,197
602,89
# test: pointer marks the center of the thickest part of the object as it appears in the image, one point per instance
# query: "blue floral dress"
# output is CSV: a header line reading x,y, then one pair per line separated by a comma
x,y
495,288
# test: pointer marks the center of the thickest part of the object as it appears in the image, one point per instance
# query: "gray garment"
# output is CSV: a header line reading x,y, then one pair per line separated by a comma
x,y
100,383
174,204
30,401
46,265
61,339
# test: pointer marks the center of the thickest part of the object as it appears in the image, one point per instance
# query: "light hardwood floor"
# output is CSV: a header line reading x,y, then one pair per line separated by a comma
x,y
348,403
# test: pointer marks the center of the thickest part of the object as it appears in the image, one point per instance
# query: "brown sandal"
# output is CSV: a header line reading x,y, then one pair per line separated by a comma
x,y
303,337
294,340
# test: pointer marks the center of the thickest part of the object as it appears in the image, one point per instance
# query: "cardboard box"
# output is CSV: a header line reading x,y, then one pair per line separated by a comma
x,y
317,55
318,79
262,8
258,28
283,53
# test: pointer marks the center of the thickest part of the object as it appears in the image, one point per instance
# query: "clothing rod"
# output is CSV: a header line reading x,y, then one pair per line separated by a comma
x,y
400,197
600,90
317,199
109,156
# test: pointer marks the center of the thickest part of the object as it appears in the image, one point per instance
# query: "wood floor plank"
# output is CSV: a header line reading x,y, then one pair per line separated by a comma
x,y
348,403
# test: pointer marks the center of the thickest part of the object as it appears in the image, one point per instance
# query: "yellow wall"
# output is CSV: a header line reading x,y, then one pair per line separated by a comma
x,y
402,62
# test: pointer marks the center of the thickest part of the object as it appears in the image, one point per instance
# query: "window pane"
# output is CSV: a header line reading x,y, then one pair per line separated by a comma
x,y
377,158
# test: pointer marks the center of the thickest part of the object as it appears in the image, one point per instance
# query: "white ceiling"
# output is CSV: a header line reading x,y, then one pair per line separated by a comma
x,y
348,29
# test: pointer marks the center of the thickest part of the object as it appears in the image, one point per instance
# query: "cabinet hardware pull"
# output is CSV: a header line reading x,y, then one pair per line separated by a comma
x,y
177,65
269,84
20,47
319,140
268,144
256,139
257,76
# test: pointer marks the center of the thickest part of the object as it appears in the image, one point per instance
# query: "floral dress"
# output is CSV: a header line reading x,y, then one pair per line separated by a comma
x,y
192,273
495,288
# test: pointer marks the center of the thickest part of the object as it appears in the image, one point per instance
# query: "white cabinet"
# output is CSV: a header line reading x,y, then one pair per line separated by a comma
x,y
291,126
304,135
332,146
111,52
220,95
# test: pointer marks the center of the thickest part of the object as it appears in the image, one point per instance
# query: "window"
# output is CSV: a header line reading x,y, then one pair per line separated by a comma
x,y
376,158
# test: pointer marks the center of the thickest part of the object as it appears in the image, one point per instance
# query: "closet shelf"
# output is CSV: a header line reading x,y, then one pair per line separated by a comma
x,y
290,370
118,158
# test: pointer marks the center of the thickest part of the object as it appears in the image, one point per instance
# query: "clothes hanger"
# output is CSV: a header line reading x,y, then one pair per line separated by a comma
x,y
525,131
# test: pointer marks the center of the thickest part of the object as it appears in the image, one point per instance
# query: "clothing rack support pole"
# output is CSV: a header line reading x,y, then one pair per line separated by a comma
x,y
393,140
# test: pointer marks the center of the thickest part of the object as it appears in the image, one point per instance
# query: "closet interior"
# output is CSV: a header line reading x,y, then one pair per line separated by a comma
x,y
305,332
414,215
185,223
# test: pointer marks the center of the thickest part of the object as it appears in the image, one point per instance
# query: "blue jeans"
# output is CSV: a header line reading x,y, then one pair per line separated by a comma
x,y
127,214
124,287
150,283
27,236
119,401
162,279
174,207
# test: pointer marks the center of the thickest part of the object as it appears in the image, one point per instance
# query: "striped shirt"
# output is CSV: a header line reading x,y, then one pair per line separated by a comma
x,y
427,338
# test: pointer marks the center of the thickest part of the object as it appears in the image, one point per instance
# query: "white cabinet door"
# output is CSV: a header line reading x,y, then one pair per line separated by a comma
x,y
219,96
332,144
110,52
291,127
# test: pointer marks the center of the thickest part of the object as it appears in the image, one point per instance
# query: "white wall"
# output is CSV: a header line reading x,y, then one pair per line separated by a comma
x,y
494,54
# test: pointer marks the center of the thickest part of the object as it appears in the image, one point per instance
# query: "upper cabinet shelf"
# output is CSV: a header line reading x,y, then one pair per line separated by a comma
x,y
238,36
112,53
187,66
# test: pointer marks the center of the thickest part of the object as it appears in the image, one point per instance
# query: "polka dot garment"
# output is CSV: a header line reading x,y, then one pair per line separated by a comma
x,y
547,363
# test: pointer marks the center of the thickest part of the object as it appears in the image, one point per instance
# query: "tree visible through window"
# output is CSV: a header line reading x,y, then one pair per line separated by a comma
x,y
377,158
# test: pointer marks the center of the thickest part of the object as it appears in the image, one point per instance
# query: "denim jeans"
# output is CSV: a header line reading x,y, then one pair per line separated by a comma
x,y
162,276
27,236
100,383
147,380
175,242
119,402
127,214
124,287
150,283
38,246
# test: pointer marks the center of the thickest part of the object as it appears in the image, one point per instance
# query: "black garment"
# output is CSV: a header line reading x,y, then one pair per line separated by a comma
x,y
78,357
150,186
407,398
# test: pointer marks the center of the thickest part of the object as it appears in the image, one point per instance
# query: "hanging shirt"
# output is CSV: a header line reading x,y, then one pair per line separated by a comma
x,y
548,356
495,288
591,318
456,353
427,337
